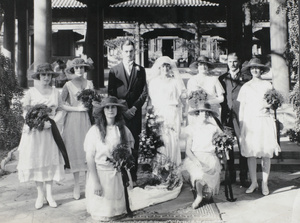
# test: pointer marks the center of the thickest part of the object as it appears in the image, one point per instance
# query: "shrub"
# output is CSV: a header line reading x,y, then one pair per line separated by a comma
x,y
11,120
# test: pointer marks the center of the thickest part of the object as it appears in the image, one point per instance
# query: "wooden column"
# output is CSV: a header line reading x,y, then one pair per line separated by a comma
x,y
42,31
137,44
247,34
9,28
278,36
95,41
22,12
146,53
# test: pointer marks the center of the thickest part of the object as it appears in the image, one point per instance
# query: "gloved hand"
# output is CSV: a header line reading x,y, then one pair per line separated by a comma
x,y
130,113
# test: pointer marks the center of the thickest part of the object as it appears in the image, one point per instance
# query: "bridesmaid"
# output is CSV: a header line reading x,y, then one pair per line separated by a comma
x,y
77,122
39,157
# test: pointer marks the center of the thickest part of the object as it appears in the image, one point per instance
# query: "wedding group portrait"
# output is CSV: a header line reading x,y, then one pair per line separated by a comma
x,y
149,111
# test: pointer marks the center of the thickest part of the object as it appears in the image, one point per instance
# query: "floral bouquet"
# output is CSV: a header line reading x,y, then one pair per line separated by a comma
x,y
167,172
224,142
123,161
121,158
87,96
37,116
197,96
273,98
150,139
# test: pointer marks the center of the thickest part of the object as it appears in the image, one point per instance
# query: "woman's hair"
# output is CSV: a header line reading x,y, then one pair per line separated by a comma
x,y
38,76
101,123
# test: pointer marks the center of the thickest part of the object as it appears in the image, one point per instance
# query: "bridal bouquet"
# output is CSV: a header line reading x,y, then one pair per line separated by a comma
x,y
197,96
37,116
273,98
121,158
150,138
223,142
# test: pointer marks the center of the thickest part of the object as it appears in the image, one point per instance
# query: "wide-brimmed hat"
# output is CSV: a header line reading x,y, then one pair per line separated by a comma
x,y
44,68
79,62
202,106
201,59
256,62
109,101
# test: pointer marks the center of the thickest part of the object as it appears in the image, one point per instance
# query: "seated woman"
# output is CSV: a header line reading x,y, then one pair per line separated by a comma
x,y
201,161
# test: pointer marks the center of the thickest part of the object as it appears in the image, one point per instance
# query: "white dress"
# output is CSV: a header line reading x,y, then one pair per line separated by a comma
x,y
76,126
204,150
258,130
39,156
165,98
112,203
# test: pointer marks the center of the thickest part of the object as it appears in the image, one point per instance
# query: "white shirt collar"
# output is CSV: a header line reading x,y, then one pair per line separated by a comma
x,y
234,74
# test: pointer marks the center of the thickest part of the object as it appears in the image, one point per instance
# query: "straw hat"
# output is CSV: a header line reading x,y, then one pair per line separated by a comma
x,y
201,59
109,101
44,68
79,62
256,62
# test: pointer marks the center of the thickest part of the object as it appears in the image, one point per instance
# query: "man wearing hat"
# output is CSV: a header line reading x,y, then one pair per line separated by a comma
x,y
232,81
127,81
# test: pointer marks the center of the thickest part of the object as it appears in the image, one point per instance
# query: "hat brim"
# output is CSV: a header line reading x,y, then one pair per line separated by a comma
x,y
54,74
121,104
193,110
88,67
264,68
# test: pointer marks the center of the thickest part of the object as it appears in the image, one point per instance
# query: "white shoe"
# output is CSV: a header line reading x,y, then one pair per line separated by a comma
x,y
52,203
76,192
264,189
252,188
39,203
197,202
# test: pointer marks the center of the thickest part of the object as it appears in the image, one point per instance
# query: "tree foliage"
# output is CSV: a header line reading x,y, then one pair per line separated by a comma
x,y
292,10
11,120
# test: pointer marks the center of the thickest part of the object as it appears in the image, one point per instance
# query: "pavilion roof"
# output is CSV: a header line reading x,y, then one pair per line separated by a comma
x,y
67,4
59,4
164,3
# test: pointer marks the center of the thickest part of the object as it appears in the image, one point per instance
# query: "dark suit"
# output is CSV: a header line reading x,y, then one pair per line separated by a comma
x,y
230,117
133,89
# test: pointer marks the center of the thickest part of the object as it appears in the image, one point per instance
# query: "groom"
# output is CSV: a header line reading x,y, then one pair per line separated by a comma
x,y
127,81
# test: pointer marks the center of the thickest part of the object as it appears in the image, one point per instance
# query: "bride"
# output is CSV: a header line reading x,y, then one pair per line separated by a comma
x,y
167,94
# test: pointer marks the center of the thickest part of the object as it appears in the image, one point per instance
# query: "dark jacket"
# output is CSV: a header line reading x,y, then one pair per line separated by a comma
x,y
230,105
131,88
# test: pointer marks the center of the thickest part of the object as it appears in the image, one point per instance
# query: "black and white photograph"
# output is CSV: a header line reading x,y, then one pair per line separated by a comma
x,y
149,111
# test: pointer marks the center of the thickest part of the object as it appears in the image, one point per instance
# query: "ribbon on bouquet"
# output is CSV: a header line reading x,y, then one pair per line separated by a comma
x,y
228,186
125,180
59,142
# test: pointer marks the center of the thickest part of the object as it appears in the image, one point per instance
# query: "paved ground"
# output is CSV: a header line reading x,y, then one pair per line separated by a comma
x,y
282,205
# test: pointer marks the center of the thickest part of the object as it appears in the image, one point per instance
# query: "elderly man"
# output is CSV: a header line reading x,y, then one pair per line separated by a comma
x,y
232,81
